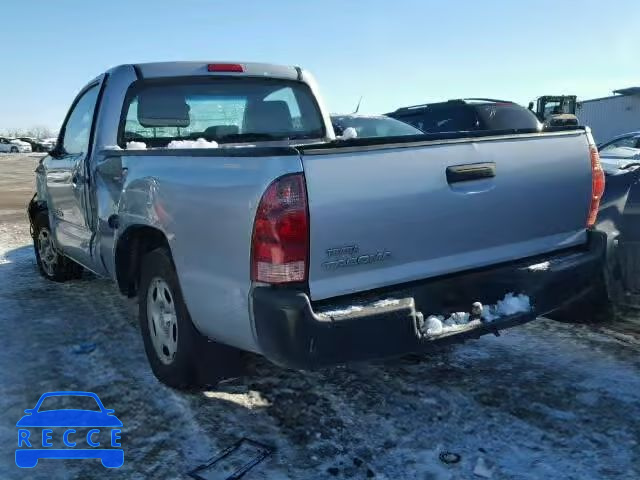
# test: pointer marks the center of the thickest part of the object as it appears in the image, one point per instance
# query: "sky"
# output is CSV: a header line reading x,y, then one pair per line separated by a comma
x,y
392,53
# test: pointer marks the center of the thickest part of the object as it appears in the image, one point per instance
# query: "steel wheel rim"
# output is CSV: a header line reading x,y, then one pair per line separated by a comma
x,y
163,321
47,252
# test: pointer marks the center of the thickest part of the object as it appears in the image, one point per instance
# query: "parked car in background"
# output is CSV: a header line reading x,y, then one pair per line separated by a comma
x,y
621,163
622,151
13,145
469,114
36,144
268,235
619,218
367,126
48,144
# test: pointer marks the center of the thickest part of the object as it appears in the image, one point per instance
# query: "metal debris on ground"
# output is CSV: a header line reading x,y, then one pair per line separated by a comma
x,y
233,462
449,457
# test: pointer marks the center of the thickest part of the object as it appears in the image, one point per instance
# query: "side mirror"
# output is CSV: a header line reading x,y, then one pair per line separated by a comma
x,y
29,410
56,151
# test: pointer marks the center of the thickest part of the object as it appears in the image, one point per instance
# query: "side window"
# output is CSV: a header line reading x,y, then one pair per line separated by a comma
x,y
628,142
415,119
78,127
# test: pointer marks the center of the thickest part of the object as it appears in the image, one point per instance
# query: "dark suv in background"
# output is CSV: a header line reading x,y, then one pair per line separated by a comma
x,y
469,114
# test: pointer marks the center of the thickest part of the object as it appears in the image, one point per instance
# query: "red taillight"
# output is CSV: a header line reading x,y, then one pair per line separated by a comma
x,y
597,185
225,67
280,241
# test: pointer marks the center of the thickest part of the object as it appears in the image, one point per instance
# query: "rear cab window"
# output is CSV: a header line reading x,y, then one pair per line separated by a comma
x,y
225,110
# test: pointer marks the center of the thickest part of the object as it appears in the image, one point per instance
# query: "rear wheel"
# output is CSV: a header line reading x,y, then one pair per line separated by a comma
x,y
14,149
179,355
52,264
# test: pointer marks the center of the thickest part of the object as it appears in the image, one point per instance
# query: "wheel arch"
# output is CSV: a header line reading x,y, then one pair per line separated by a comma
x,y
132,245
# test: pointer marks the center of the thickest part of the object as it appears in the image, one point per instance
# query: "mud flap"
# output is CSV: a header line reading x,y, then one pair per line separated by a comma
x,y
33,208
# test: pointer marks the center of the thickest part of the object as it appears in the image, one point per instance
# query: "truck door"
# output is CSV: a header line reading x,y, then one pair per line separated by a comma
x,y
67,179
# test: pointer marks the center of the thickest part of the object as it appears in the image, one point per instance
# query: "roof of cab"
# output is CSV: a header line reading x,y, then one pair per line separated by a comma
x,y
188,69
457,101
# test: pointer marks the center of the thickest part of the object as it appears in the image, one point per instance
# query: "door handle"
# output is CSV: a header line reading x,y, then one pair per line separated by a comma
x,y
471,171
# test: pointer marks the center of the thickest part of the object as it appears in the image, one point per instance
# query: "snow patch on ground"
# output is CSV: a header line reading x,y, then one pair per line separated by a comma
x,y
199,143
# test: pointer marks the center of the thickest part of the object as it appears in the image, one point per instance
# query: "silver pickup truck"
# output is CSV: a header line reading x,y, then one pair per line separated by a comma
x,y
218,194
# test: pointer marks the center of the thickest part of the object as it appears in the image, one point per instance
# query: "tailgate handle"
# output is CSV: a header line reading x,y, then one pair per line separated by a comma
x,y
471,171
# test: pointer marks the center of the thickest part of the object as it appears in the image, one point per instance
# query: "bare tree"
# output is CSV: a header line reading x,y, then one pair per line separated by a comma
x,y
37,131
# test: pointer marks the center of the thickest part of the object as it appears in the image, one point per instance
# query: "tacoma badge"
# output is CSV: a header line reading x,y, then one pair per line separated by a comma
x,y
349,256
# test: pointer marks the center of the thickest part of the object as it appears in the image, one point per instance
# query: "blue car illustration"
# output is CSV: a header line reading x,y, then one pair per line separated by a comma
x,y
29,454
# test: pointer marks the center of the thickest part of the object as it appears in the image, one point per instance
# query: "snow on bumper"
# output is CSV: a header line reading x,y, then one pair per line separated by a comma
x,y
293,331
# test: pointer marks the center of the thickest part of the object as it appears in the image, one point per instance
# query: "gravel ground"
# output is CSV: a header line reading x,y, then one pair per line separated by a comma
x,y
546,400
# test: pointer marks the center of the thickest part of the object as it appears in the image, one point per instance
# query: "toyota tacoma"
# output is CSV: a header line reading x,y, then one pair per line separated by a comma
x,y
220,197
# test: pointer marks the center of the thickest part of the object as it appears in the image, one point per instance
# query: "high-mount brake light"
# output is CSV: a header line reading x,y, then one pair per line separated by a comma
x,y
225,67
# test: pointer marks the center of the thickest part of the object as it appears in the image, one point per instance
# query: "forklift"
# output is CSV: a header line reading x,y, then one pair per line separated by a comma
x,y
556,110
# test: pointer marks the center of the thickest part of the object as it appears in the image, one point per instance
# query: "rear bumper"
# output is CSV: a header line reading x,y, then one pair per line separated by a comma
x,y
294,332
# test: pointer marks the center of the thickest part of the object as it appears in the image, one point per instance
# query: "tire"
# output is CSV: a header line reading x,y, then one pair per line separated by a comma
x,y
179,355
14,149
51,263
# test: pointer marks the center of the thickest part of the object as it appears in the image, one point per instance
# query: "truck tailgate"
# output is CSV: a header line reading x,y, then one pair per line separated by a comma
x,y
380,216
